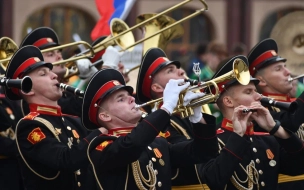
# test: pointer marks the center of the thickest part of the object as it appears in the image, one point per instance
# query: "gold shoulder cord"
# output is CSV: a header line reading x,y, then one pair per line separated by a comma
x,y
88,155
137,174
300,132
184,132
51,128
252,174
139,178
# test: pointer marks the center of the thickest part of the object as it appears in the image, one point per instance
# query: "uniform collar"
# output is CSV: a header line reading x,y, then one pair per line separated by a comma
x,y
227,124
123,131
278,97
44,109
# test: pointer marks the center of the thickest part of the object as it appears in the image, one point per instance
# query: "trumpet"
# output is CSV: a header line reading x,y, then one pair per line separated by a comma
x,y
290,107
240,72
24,84
73,90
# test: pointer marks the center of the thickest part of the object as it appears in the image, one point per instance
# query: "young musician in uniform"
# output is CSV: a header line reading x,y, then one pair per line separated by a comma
x,y
52,145
266,65
44,38
155,72
133,155
249,159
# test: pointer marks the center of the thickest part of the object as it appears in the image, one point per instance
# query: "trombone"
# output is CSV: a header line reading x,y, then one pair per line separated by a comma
x,y
239,72
122,34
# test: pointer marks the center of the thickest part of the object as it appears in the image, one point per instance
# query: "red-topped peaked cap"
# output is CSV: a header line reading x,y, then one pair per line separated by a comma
x,y
102,84
25,60
42,37
262,55
153,61
227,66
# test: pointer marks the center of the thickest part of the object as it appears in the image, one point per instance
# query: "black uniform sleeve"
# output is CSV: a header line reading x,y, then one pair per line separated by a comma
x,y
48,150
130,146
291,155
7,147
218,171
70,104
201,149
291,121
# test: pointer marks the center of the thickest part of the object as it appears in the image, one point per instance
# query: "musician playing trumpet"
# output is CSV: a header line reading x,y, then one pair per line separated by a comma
x,y
134,155
155,72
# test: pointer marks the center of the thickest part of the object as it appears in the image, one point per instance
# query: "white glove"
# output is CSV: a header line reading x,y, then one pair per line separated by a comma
x,y
197,116
85,71
111,57
171,93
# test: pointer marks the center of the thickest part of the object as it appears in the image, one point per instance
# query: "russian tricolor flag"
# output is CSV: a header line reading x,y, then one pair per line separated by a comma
x,y
109,9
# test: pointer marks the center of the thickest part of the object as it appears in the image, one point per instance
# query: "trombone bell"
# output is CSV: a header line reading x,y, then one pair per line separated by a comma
x,y
117,27
7,48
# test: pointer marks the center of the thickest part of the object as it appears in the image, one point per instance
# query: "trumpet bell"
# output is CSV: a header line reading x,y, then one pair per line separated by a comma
x,y
7,48
162,39
117,27
241,72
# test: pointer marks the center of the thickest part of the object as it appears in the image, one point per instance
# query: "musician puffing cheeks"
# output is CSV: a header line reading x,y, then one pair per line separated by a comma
x,y
249,159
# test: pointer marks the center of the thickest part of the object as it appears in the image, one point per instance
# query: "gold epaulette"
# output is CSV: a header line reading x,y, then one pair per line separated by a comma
x,y
191,187
287,178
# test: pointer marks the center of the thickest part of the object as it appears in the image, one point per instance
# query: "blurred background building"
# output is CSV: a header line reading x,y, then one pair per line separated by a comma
x,y
238,24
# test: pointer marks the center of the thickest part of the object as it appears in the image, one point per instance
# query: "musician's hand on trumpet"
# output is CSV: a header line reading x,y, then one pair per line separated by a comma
x,y
171,94
197,116
85,71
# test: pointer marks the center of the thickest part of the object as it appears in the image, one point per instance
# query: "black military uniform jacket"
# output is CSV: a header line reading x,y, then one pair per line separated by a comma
x,y
258,154
53,149
181,130
139,160
295,123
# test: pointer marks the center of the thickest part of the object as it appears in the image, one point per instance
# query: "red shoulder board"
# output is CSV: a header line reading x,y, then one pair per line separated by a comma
x,y
165,135
103,145
36,135
31,115
219,131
